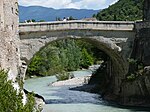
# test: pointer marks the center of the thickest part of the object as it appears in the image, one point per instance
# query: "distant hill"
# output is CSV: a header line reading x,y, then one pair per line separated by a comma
x,y
122,10
50,14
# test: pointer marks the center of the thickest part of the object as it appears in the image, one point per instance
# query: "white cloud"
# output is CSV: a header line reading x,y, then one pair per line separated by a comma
x,y
114,1
79,4
46,3
87,4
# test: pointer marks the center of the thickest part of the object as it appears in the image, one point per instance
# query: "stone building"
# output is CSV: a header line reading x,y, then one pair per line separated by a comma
x,y
9,38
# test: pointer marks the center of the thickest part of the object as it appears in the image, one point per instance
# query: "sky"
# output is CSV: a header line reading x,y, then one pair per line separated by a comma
x,y
77,4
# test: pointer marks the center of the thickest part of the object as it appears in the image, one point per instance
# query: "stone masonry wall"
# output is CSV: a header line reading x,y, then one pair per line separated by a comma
x,y
9,38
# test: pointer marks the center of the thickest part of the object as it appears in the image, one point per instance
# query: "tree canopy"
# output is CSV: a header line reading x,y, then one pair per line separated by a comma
x,y
123,10
64,55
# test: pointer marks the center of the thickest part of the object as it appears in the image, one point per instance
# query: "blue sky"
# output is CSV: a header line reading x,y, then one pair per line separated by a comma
x,y
78,4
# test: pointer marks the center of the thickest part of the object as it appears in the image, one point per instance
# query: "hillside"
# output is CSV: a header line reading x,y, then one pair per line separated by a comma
x,y
50,14
123,10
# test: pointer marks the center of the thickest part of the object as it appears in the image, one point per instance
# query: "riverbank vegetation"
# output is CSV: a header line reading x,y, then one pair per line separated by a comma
x,y
123,10
11,99
62,76
64,55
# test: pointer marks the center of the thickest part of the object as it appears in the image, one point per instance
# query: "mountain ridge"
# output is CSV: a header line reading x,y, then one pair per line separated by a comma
x,y
49,14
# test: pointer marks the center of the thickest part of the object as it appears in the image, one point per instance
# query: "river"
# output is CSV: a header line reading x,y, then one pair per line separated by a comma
x,y
61,99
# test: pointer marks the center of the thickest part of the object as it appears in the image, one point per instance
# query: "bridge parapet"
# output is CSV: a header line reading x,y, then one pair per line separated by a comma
x,y
77,24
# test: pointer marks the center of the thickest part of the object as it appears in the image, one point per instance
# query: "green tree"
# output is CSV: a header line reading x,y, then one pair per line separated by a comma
x,y
34,67
123,10
87,59
31,20
58,19
10,99
63,55
71,18
42,21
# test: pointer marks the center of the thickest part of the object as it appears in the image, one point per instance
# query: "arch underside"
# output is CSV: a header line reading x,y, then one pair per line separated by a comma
x,y
31,43
117,40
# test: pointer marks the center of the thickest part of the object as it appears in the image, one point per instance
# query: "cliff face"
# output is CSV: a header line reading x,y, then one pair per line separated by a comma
x,y
141,50
9,38
137,92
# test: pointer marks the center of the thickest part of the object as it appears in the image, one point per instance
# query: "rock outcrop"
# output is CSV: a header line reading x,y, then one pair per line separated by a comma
x,y
39,101
137,92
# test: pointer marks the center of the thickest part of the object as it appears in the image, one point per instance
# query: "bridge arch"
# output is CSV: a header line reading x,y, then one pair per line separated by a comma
x,y
119,64
108,32
112,41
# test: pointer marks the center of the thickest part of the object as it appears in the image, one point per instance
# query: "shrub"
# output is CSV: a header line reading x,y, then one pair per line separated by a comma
x,y
63,76
10,99
131,77
132,61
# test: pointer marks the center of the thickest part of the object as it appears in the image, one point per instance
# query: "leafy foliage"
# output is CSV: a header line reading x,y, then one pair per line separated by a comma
x,y
63,55
136,69
10,99
86,59
62,76
123,10
131,77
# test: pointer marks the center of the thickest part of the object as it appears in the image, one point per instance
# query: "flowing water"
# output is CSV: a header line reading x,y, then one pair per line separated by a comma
x,y
61,99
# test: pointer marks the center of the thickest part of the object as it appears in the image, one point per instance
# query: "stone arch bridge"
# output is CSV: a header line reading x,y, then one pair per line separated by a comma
x,y
115,38
114,35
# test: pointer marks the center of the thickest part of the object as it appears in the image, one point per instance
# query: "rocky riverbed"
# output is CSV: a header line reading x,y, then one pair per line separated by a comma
x,y
76,81
73,82
76,84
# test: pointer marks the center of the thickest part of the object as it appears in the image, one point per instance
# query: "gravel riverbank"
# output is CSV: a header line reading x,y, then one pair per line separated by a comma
x,y
73,82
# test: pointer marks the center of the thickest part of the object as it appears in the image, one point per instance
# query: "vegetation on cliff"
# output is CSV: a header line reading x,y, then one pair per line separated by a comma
x,y
63,55
136,69
10,99
123,10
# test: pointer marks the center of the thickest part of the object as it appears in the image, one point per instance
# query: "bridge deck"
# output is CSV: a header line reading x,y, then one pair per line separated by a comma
x,y
76,24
